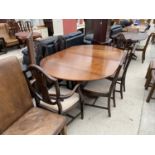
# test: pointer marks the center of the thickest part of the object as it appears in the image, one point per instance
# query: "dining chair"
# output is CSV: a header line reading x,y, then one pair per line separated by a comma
x,y
143,48
102,88
152,87
122,75
149,74
49,94
18,114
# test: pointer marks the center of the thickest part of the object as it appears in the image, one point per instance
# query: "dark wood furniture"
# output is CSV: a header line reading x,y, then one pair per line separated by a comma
x,y
102,88
49,24
30,46
143,48
83,63
17,113
152,86
52,96
137,37
122,75
100,28
148,76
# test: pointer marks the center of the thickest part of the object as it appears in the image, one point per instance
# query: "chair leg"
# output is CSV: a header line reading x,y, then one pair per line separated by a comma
x,y
82,109
109,111
123,83
148,72
114,101
64,131
121,90
148,80
143,57
150,93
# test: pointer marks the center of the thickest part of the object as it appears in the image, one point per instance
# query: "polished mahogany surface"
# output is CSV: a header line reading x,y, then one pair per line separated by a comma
x,y
83,63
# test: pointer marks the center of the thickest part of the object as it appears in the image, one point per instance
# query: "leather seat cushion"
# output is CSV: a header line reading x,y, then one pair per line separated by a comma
x,y
11,41
37,121
66,103
98,86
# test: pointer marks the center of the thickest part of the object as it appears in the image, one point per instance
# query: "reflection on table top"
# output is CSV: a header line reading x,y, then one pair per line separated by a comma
x,y
83,63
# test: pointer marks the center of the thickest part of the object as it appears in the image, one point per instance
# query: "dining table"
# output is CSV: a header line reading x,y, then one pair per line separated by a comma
x,y
83,62
135,36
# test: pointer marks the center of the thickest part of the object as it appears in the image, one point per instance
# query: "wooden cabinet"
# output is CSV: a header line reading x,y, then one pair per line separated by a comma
x,y
100,28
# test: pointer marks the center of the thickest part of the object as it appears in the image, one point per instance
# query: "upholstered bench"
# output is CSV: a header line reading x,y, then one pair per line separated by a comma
x,y
18,115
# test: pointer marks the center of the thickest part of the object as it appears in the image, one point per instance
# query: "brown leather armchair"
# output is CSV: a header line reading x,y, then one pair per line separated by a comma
x,y
8,39
17,114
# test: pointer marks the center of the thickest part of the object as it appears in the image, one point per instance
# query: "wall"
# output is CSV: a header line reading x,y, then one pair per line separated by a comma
x,y
58,27
69,25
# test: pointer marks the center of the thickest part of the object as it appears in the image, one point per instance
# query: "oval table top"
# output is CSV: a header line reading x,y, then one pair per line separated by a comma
x,y
135,36
83,63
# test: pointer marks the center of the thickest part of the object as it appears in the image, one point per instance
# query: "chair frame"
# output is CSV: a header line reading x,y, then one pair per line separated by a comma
x,y
121,81
110,95
145,47
40,84
149,97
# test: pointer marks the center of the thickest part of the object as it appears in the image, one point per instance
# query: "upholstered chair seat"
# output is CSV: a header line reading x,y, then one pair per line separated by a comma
x,y
66,103
98,86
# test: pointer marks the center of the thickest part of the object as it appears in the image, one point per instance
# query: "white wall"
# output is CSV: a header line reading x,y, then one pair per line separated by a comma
x,y
58,27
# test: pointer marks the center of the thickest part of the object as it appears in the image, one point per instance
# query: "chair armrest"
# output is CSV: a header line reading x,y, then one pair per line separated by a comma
x,y
62,97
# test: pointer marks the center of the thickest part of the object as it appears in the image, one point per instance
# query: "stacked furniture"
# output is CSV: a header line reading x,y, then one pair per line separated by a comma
x,y
52,44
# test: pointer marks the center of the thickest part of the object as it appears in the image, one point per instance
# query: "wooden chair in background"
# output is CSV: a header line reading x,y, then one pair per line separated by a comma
x,y
122,75
152,86
143,49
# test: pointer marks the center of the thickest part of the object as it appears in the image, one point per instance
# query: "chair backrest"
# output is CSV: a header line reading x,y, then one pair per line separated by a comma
x,y
15,98
113,84
147,42
40,86
21,25
128,60
28,26
120,42
31,50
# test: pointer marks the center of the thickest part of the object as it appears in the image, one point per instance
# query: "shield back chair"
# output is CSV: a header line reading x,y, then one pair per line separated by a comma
x,y
102,88
122,75
18,115
143,49
152,87
57,98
